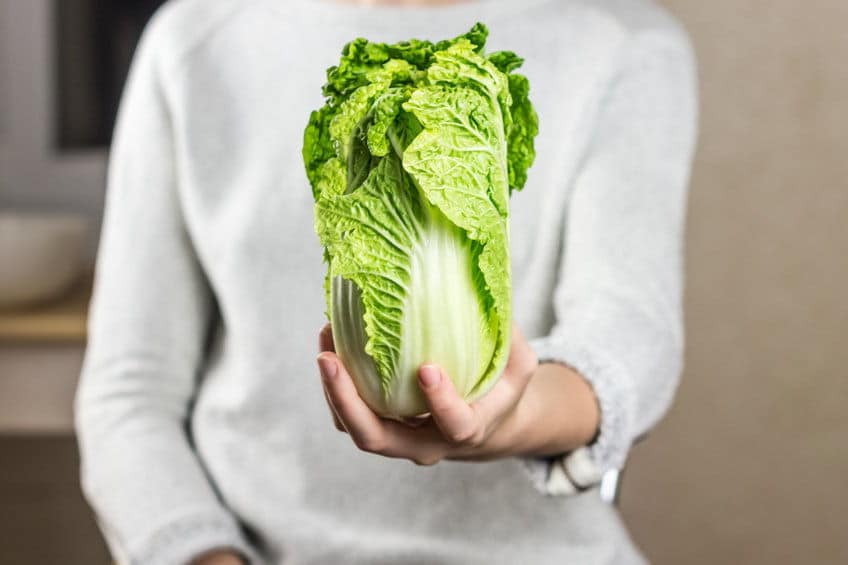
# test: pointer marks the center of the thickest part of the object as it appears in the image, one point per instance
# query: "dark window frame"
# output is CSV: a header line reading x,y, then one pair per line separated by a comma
x,y
94,41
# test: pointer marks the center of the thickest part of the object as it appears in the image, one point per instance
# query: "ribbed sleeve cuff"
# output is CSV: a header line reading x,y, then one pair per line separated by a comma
x,y
614,392
183,539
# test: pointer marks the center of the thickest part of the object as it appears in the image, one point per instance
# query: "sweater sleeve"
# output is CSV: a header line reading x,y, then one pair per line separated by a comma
x,y
150,316
618,297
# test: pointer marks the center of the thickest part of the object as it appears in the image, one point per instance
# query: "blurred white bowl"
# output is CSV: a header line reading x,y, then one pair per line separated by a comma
x,y
41,255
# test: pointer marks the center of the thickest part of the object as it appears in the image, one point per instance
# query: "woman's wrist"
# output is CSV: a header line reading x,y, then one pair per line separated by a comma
x,y
558,413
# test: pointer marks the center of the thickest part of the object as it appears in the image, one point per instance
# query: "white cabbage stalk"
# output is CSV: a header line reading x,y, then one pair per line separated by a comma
x,y
443,322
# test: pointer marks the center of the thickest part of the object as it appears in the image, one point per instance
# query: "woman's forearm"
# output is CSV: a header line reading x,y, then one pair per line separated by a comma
x,y
557,413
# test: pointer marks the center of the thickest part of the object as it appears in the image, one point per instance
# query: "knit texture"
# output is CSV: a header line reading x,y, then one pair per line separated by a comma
x,y
200,414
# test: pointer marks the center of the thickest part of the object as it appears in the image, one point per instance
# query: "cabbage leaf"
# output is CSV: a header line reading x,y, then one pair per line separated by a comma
x,y
412,161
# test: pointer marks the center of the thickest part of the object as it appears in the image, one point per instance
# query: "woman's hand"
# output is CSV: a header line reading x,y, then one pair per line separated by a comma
x,y
518,416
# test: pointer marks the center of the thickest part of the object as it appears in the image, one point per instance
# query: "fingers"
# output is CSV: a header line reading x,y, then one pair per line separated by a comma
x,y
467,425
362,424
336,422
423,445
520,366
458,422
454,429
325,343
325,339
522,361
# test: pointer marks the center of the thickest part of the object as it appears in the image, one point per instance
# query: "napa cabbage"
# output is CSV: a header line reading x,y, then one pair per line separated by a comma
x,y
412,160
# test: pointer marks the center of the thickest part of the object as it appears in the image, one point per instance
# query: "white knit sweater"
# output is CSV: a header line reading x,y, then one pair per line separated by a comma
x,y
200,414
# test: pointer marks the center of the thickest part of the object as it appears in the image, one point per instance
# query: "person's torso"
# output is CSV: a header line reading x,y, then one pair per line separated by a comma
x,y
240,99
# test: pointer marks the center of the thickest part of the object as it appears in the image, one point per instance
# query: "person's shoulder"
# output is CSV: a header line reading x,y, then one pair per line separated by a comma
x,y
629,22
181,26
645,35
630,17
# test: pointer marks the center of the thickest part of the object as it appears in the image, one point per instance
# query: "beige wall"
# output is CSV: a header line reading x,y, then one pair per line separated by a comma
x,y
751,466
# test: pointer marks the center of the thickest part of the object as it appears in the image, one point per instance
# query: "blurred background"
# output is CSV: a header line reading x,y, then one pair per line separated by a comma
x,y
751,464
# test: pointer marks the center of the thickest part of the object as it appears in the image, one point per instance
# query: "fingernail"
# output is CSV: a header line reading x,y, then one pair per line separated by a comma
x,y
327,368
429,376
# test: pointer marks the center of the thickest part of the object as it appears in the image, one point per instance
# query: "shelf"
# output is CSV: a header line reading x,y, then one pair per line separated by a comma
x,y
63,320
